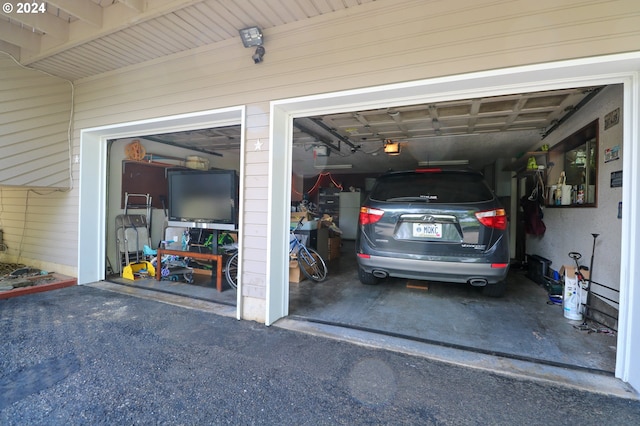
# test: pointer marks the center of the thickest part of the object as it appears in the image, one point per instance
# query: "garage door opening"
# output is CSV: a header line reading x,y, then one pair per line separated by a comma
x,y
173,209
522,143
99,197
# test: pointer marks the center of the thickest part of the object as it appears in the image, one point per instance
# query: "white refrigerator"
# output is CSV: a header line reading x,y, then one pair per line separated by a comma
x,y
349,211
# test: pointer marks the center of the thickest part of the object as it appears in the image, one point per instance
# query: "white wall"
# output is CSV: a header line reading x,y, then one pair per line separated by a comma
x,y
569,229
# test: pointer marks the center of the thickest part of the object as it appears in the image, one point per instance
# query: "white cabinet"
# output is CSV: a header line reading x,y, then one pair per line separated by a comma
x,y
349,211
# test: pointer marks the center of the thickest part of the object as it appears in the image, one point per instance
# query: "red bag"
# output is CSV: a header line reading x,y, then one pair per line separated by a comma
x,y
533,224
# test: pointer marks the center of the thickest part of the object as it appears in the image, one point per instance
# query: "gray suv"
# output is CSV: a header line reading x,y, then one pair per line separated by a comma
x,y
434,224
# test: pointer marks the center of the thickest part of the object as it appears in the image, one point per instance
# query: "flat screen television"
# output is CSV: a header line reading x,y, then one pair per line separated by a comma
x,y
203,199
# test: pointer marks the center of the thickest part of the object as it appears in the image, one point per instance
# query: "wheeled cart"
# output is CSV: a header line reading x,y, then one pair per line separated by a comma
x,y
132,234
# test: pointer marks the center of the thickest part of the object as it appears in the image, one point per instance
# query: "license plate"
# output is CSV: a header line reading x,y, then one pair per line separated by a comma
x,y
427,230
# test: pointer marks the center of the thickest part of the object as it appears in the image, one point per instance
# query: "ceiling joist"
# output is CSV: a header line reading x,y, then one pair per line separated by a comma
x,y
137,5
85,11
21,37
43,23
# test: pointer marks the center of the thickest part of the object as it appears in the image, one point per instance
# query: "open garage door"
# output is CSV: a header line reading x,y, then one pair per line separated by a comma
x,y
173,191
530,147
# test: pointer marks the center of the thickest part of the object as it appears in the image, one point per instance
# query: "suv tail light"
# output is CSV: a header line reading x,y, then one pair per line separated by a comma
x,y
369,215
493,218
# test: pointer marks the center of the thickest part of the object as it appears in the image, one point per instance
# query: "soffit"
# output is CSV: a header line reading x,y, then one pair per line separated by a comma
x,y
76,39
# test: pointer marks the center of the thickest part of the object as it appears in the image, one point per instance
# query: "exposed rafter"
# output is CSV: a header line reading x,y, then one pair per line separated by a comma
x,y
42,22
85,11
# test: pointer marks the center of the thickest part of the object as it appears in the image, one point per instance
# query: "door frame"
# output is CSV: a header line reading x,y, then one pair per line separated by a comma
x,y
93,179
614,69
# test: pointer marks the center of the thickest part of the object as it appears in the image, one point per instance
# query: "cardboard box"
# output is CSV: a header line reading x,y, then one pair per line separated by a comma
x,y
570,279
333,251
307,218
295,274
570,271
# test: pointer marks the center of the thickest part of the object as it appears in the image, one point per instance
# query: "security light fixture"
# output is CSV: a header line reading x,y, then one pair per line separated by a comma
x,y
252,36
257,57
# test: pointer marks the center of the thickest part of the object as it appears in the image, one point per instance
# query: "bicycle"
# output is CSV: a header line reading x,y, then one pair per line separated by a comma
x,y
231,269
311,263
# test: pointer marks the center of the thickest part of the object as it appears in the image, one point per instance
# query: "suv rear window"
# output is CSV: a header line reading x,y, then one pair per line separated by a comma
x,y
437,187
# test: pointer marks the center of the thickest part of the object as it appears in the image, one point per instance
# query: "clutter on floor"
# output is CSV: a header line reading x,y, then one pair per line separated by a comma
x,y
17,279
572,288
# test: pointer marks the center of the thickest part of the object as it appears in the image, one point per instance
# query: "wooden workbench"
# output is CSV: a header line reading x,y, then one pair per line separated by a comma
x,y
194,255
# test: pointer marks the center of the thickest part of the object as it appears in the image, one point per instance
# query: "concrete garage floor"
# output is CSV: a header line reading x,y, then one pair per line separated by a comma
x,y
521,325
203,288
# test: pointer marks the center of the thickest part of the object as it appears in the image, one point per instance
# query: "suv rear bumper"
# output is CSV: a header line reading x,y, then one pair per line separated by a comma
x,y
456,272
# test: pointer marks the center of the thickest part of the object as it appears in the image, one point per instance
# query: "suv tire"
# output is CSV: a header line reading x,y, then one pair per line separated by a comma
x,y
495,290
367,278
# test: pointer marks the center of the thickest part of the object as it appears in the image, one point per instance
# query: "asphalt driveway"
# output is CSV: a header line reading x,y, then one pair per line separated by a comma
x,y
83,355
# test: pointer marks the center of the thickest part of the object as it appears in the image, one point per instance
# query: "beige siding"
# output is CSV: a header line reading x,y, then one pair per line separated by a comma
x,y
382,42
255,197
40,229
39,225
34,121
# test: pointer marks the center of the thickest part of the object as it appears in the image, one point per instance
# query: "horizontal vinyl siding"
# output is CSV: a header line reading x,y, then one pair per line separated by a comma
x,y
40,228
39,225
35,111
255,197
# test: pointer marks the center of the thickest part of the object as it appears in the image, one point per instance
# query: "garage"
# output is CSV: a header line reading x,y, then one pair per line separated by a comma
x,y
336,157
320,60
371,308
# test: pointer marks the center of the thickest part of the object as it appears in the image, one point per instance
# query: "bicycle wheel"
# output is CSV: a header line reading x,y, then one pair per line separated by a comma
x,y
311,264
231,271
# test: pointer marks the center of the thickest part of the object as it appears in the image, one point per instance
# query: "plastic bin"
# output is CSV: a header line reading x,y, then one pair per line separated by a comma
x,y
538,269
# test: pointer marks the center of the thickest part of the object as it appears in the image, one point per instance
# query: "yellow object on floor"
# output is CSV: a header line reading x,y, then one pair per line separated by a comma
x,y
133,271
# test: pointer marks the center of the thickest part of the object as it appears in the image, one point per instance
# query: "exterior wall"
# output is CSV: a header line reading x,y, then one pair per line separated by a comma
x,y
40,229
570,229
38,211
387,41
253,231
34,125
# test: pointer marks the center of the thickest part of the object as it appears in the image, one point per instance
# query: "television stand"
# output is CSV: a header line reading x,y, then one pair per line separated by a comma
x,y
194,255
